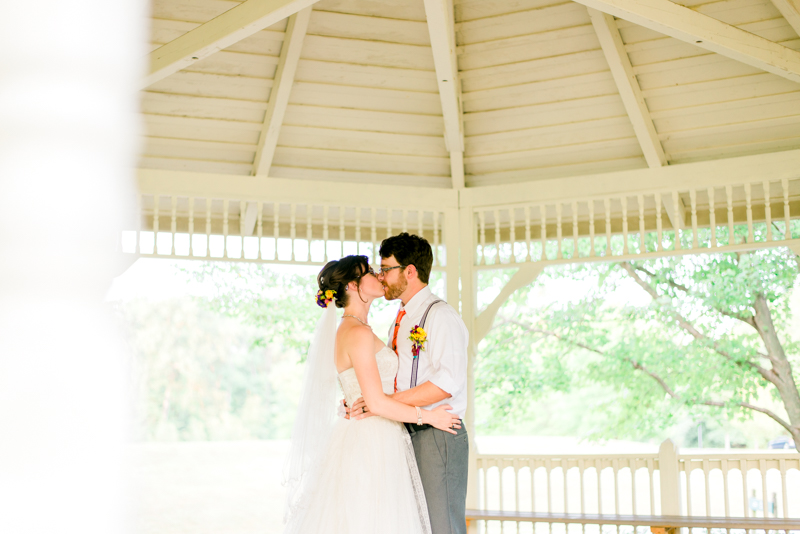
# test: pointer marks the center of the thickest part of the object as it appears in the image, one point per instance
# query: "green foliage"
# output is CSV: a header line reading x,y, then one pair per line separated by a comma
x,y
644,353
225,365
280,305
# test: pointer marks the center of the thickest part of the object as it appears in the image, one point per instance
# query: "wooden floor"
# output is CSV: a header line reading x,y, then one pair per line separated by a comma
x,y
208,488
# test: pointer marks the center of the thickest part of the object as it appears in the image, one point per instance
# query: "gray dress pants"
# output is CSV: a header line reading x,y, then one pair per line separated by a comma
x,y
443,461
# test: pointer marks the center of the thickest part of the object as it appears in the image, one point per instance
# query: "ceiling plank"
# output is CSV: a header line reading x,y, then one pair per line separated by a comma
x,y
706,32
620,64
790,9
441,27
221,32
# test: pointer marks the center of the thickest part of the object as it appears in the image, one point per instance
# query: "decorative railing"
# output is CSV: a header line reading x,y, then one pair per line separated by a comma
x,y
271,232
650,223
722,484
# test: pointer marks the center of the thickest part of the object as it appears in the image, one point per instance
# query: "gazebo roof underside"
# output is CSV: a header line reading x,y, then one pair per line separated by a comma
x,y
536,89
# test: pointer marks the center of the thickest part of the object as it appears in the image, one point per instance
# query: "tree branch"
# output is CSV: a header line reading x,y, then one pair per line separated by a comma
x,y
694,332
748,319
775,417
661,382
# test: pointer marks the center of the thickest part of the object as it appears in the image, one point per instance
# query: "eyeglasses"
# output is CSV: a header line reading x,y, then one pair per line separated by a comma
x,y
365,273
382,271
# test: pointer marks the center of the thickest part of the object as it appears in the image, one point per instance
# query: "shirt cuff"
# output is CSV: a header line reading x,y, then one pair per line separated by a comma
x,y
445,382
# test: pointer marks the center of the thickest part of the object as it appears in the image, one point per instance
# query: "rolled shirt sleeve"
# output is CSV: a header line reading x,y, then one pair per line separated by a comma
x,y
447,355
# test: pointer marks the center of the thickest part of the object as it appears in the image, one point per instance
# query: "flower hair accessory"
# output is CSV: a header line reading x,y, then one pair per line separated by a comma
x,y
325,297
418,338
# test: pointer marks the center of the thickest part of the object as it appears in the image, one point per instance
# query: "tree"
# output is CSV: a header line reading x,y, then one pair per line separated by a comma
x,y
223,365
714,337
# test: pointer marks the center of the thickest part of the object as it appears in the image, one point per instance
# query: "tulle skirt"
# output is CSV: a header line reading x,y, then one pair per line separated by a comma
x,y
369,484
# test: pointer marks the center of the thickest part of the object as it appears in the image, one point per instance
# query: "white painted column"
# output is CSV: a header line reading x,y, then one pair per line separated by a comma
x,y
669,474
469,298
452,241
68,145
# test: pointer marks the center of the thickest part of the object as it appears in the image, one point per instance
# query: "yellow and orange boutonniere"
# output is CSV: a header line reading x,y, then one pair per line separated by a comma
x,y
418,338
325,297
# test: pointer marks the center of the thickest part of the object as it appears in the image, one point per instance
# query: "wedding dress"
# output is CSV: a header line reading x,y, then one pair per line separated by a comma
x,y
369,481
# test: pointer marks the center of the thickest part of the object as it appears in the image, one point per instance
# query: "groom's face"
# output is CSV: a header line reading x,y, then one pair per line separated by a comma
x,y
394,281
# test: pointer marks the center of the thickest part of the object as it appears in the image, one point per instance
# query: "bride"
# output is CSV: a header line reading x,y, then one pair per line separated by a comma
x,y
355,476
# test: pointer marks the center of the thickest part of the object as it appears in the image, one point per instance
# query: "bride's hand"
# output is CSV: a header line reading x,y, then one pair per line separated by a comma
x,y
440,418
359,410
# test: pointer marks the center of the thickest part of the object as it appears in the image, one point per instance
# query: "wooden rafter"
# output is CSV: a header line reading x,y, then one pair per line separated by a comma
x,y
279,98
628,86
790,9
442,33
620,64
281,89
706,32
221,32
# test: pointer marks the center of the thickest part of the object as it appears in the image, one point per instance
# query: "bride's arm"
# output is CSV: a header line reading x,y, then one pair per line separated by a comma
x,y
361,348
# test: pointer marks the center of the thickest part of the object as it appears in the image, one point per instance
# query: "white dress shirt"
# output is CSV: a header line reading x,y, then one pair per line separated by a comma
x,y
444,360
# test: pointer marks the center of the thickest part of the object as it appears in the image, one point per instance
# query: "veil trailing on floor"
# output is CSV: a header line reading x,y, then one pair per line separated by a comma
x,y
316,415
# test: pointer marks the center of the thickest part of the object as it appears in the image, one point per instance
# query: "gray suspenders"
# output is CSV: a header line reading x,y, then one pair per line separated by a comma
x,y
415,363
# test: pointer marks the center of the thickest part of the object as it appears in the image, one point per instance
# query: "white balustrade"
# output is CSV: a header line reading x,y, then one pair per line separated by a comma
x,y
758,217
724,483
763,218
285,243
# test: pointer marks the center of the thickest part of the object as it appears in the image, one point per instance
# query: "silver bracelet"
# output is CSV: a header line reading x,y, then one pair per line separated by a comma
x,y
419,415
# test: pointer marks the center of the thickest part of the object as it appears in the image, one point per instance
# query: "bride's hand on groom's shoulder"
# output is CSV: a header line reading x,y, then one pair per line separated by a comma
x,y
440,418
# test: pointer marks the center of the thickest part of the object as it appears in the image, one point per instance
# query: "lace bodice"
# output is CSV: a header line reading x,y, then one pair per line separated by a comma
x,y
387,368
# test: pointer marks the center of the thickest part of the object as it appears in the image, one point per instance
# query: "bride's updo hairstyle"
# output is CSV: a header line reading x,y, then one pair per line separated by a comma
x,y
338,273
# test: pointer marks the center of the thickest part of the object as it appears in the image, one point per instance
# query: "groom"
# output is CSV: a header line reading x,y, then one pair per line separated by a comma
x,y
437,376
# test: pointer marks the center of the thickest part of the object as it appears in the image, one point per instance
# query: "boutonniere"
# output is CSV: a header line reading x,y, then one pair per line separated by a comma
x,y
418,338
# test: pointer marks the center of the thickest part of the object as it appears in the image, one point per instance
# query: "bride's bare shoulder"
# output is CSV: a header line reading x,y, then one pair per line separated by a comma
x,y
355,335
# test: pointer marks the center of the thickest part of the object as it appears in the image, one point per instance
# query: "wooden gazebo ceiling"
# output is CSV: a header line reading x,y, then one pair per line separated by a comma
x,y
348,91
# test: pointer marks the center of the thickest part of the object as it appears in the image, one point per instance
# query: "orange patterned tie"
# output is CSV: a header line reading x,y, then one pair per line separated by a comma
x,y
400,315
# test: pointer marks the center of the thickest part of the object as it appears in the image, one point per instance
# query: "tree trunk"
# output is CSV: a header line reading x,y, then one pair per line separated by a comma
x,y
781,367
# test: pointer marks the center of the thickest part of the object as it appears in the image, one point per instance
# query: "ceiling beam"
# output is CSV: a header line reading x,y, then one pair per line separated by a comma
x,y
773,166
291,191
620,64
706,32
441,28
631,93
276,107
281,89
221,32
790,9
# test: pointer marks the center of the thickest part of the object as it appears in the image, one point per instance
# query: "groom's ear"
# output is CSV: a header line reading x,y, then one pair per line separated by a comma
x,y
411,271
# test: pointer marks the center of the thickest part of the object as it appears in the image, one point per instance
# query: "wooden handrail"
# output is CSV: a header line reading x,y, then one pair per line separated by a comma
x,y
656,521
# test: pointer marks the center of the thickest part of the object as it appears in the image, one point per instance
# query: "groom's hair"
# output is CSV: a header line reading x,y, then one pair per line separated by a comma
x,y
409,249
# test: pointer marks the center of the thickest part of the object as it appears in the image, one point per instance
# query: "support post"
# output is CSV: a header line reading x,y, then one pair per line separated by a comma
x,y
468,308
451,240
669,474
62,361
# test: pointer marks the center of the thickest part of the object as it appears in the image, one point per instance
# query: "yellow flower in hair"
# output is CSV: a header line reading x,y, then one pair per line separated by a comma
x,y
329,294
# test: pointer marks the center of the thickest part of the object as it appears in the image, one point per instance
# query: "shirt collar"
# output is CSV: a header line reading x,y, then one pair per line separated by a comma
x,y
417,300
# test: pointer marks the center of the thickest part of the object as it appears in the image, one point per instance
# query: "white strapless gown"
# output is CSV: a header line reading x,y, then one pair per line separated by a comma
x,y
370,483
